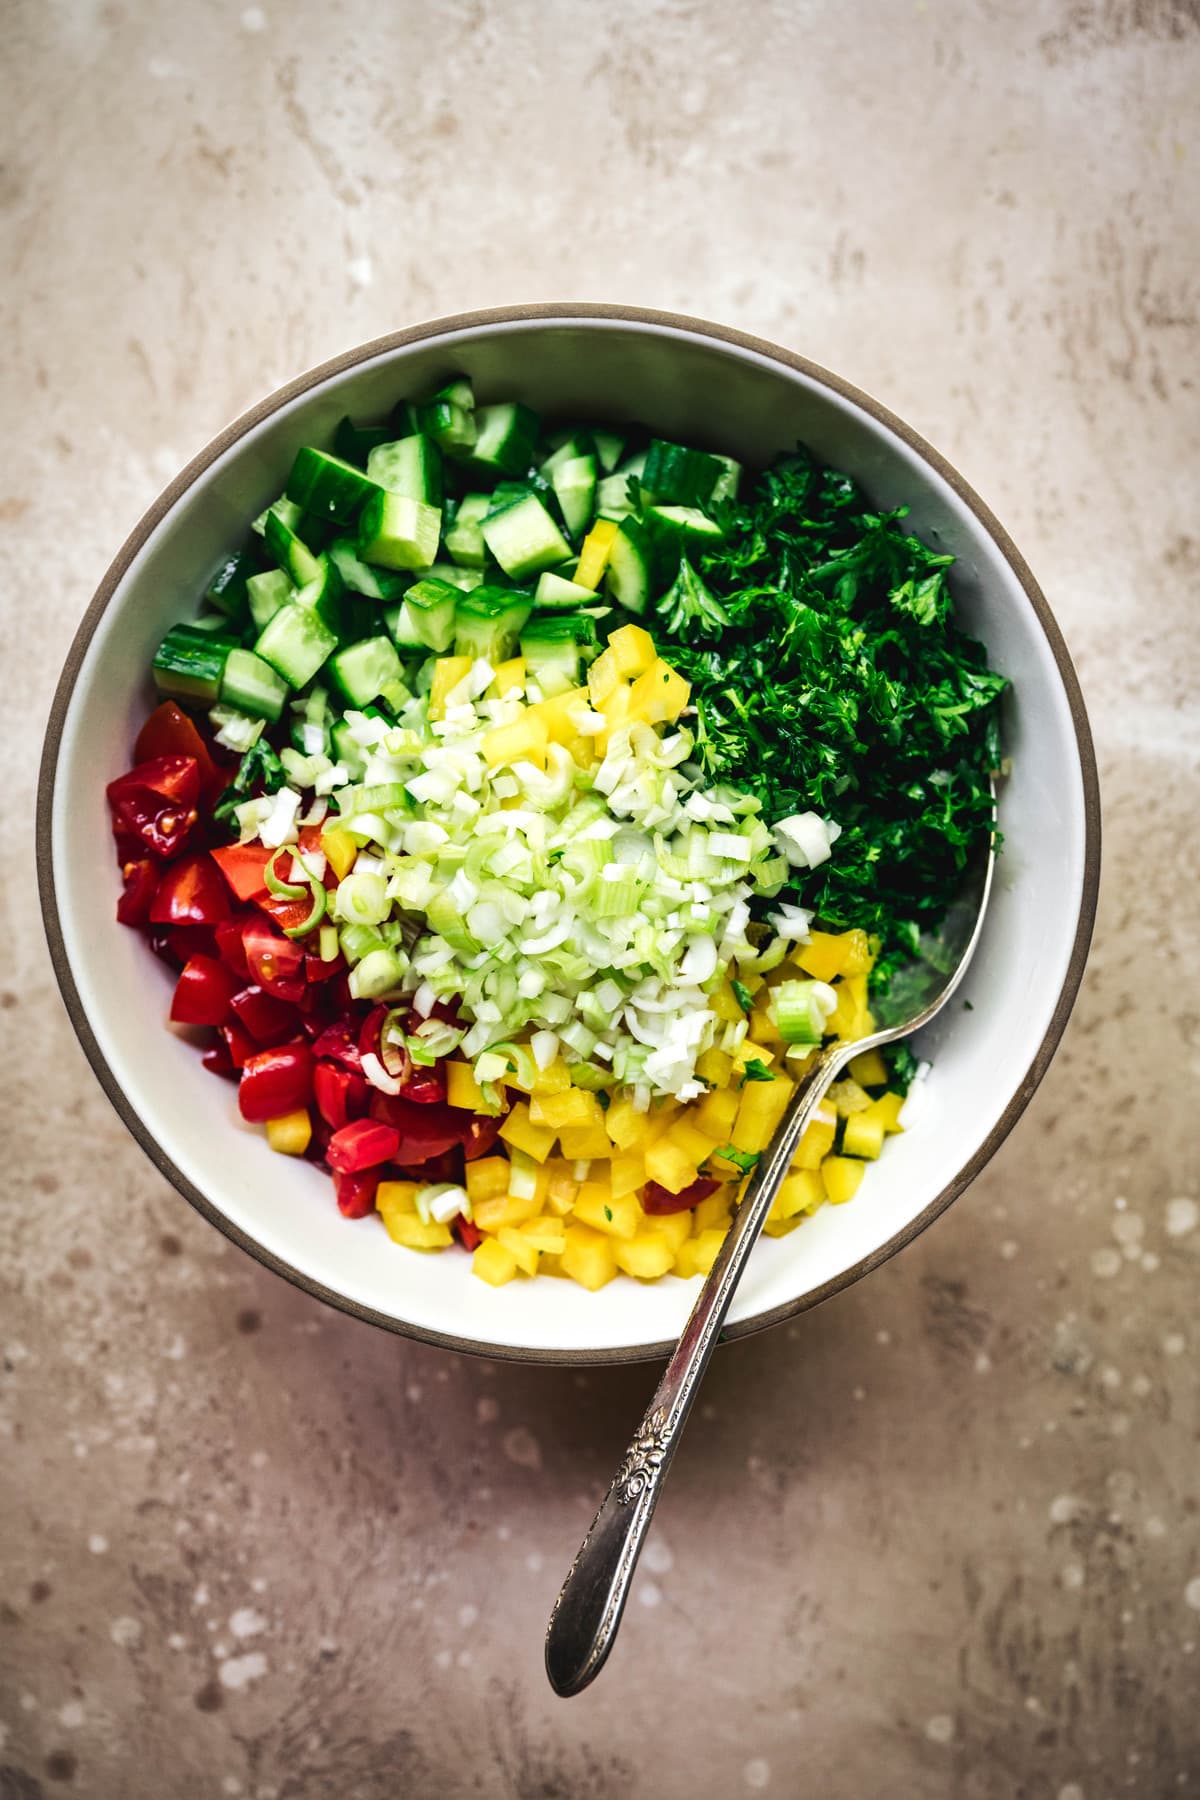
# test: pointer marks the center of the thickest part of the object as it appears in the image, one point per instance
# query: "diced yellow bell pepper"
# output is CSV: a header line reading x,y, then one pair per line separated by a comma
x,y
502,1210
573,1106
686,1135
760,1108
615,1218
291,1133
712,1214
673,1228
463,1090
545,1234
762,1023
588,1257
561,1185
448,671
698,1254
340,850
487,1177
604,678
594,553
887,1108
670,1166
627,1172
777,1228
555,714
660,695
842,1176
661,1117
524,740
523,1252
715,1114
555,1078
411,1230
493,1263
715,1067
869,1069
616,710
519,1130
647,1256
583,1143
863,1135
818,1138
726,1004
823,955
395,1197
856,953
847,1097
749,1051
625,1125
800,1193
633,648
508,675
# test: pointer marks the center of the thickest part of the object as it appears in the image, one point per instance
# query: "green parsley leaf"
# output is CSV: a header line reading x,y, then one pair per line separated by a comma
x,y
741,1159
742,995
756,1071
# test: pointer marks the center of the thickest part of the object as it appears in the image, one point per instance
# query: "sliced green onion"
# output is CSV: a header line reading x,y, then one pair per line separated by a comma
x,y
380,972
800,1009
282,890
320,902
363,899
329,943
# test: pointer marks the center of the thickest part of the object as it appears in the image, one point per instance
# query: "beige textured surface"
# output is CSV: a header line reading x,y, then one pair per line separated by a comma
x,y
939,1538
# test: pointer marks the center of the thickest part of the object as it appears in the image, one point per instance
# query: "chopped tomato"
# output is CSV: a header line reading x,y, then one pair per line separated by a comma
x,y
339,1042
355,1192
230,947
190,893
340,1095
481,1135
218,1061
204,991
239,1044
275,1082
659,1201
155,805
175,943
424,1131
467,1233
287,914
169,732
363,1144
139,880
268,1019
242,865
276,962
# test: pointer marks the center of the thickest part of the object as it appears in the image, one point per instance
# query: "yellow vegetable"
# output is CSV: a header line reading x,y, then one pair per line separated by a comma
x,y
841,1175
508,675
627,1172
291,1133
633,650
487,1177
556,713
504,1209
520,1131
583,1143
393,1197
670,1166
408,1229
523,1252
340,849
712,1214
686,1135
448,671
604,678
698,1254
573,1106
762,1105
561,1185
660,695
545,1234
715,1067
887,1108
857,956
863,1135
463,1090
588,1257
823,956
869,1069
555,1078
715,1114
615,1218
674,1228
647,1256
524,740
726,1004
817,1141
800,1193
593,554
493,1263
625,1125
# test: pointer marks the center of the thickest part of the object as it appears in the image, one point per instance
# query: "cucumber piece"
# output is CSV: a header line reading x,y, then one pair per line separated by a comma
x,y
466,579
360,578
265,594
567,445
252,686
354,443
575,484
296,643
676,531
676,476
554,593
284,544
554,648
449,418
424,619
324,595
726,485
227,589
398,533
613,498
344,750
284,509
609,448
402,422
362,671
488,623
189,663
464,539
630,561
327,487
411,466
506,435
524,539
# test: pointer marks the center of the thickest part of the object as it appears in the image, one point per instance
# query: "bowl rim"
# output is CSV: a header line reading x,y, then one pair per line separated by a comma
x,y
543,313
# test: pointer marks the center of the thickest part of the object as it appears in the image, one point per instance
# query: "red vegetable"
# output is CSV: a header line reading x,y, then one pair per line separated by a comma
x,y
276,963
190,893
243,865
230,947
363,1144
424,1131
203,993
339,1042
267,1019
154,805
169,732
218,1061
355,1192
140,882
340,1095
660,1200
481,1135
238,1043
175,943
275,1082
468,1234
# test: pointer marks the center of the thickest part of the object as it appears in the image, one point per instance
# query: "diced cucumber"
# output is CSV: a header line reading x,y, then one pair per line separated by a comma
x,y
411,466
345,750
252,686
507,434
289,551
554,649
266,593
628,575
424,619
613,497
360,578
674,531
488,623
567,446
464,539
189,663
324,595
402,422
726,485
362,671
449,418
609,448
296,643
284,509
575,486
466,579
354,443
398,533
555,594
524,539
676,476
327,487
227,589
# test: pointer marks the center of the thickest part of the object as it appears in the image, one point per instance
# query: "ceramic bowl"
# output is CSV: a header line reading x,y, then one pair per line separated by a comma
x,y
687,380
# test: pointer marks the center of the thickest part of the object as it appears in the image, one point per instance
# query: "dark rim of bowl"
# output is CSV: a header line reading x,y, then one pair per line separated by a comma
x,y
568,312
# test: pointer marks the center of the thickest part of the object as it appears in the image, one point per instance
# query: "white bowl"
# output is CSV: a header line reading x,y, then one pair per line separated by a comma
x,y
691,381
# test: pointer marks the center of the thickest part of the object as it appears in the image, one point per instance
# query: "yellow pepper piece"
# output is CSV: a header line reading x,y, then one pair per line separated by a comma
x,y
615,1218
523,1253
726,1004
712,1214
463,1090
862,1135
572,1106
584,1143
604,678
686,1135
817,1141
869,1069
448,671
627,1172
340,849
493,1263
715,1114
698,1254
503,1209
842,1176
555,1078
290,1134
762,1105
524,740
660,695
395,1197
555,714
647,1256
715,1067
594,553
887,1108
673,1228
588,1257
520,1131
800,1193
545,1234
670,1166
411,1231
625,1125
633,650
508,675
487,1177
822,956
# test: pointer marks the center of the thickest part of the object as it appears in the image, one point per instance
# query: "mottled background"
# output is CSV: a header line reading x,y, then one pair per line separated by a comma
x,y
938,1538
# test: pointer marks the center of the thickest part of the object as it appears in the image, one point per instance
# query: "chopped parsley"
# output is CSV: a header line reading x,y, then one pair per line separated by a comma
x,y
742,995
741,1159
756,1071
259,769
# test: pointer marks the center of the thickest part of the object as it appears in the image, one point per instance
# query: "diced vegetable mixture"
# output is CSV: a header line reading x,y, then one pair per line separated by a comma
x,y
524,809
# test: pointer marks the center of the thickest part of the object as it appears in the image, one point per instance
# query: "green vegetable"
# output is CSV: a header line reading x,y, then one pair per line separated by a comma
x,y
742,995
741,1159
756,1071
260,769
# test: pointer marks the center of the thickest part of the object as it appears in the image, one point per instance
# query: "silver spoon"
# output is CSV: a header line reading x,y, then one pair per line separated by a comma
x,y
588,1610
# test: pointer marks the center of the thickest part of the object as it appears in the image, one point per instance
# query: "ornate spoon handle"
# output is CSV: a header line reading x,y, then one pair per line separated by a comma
x,y
588,1610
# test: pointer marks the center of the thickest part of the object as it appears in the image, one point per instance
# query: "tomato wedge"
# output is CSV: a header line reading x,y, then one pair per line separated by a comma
x,y
190,893
339,1094
363,1144
659,1201
424,1131
275,1082
169,732
243,867
203,993
355,1193
139,880
154,805
268,1019
276,962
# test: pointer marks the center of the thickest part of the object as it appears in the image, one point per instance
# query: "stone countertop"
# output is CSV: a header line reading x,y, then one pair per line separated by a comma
x,y
938,1538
